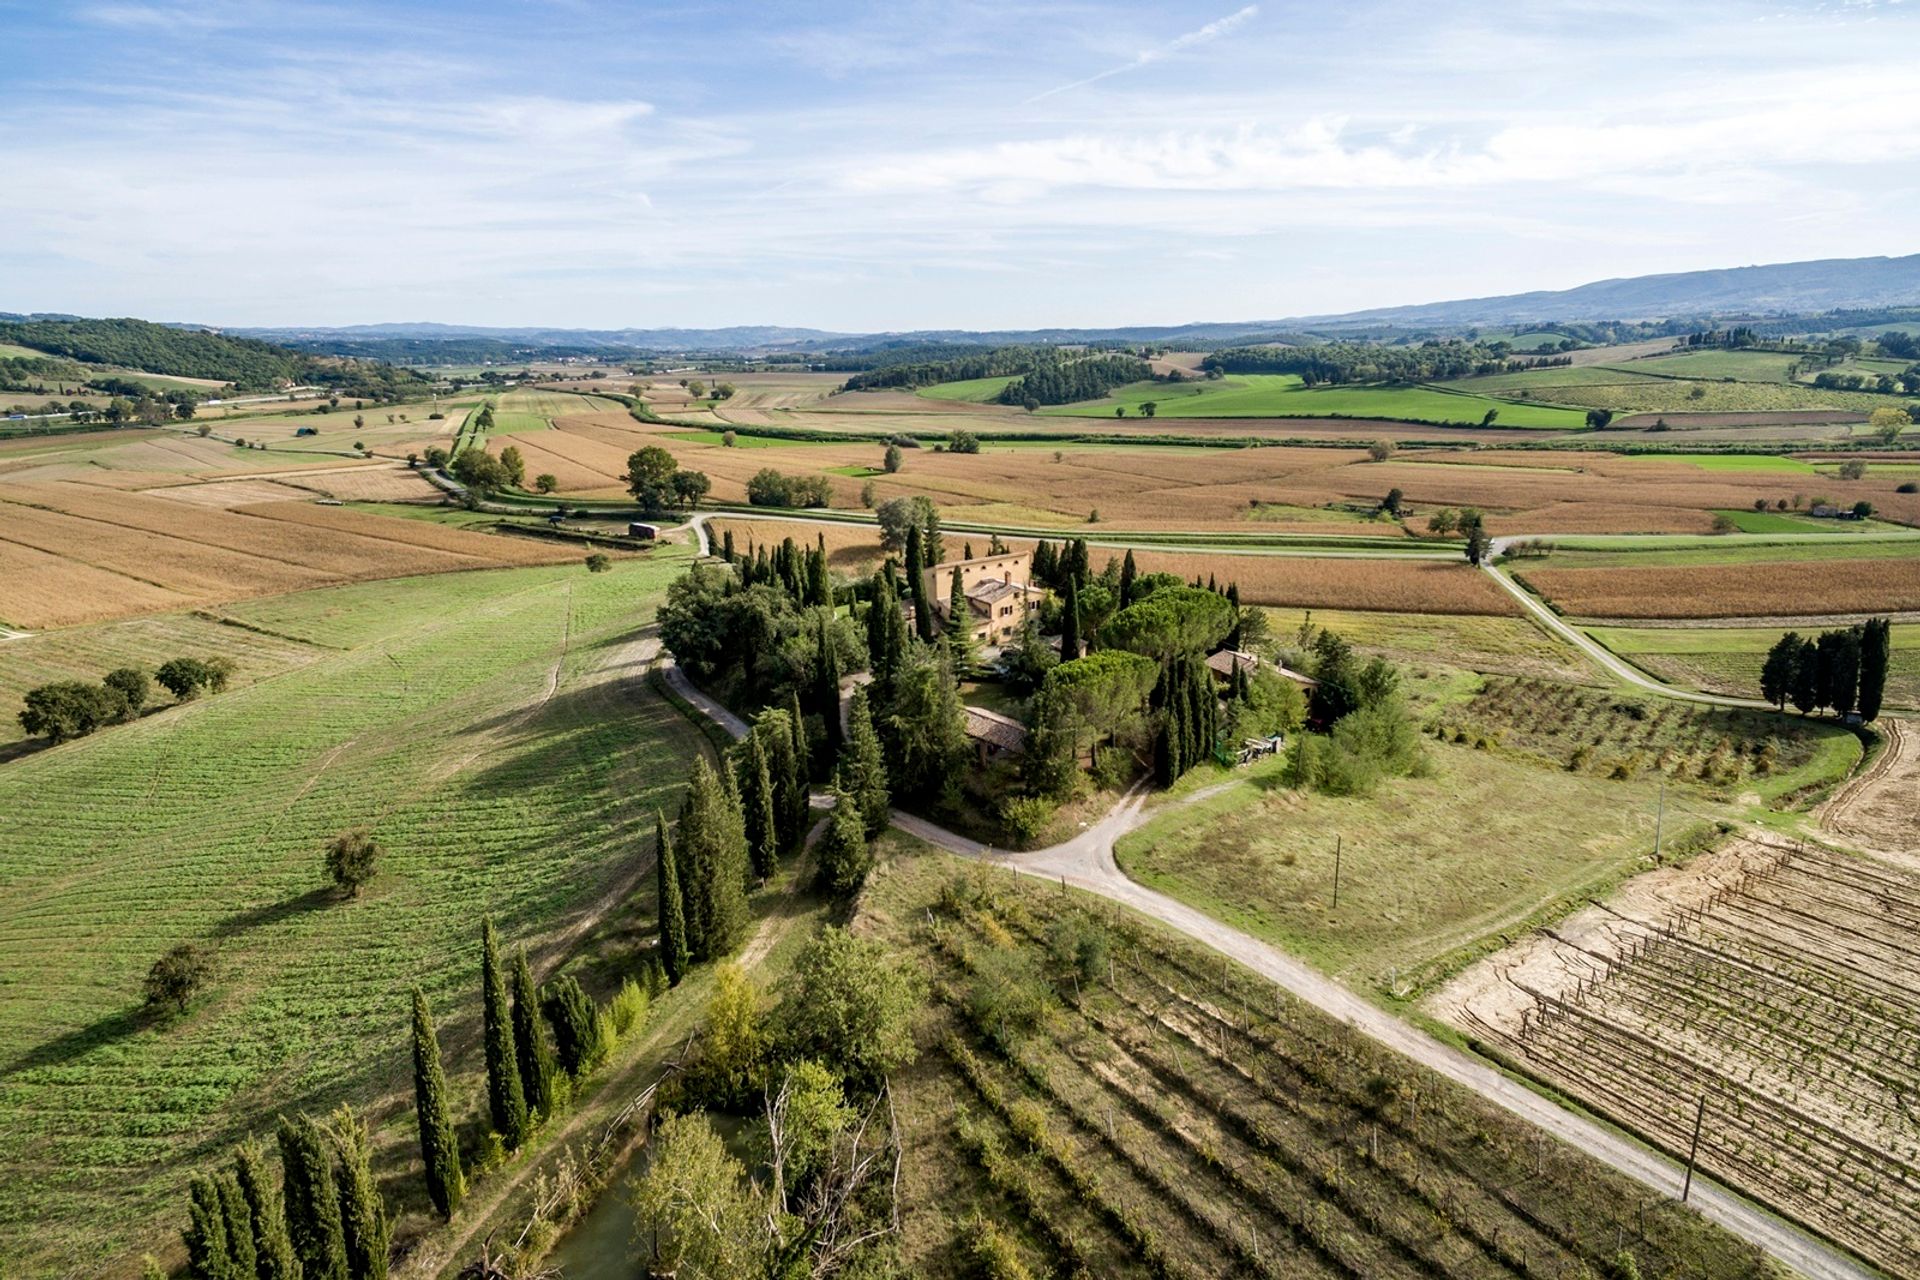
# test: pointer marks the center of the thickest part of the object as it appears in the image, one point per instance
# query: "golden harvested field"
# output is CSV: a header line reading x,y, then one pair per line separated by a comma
x,y
1777,589
79,554
1149,487
1408,586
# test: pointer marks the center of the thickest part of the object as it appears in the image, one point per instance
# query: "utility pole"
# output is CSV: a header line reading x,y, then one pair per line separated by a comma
x,y
1660,818
1336,873
1693,1152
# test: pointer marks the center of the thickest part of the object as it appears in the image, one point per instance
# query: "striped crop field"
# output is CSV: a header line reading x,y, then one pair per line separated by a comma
x,y
493,732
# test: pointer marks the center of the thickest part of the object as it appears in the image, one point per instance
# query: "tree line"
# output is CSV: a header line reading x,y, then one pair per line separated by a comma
x,y
1060,379
1843,670
67,709
248,363
1343,362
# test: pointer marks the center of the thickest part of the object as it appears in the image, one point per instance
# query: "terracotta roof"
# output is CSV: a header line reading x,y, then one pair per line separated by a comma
x,y
1224,662
996,730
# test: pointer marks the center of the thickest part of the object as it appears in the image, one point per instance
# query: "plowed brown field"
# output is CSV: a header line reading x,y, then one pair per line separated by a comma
x,y
1784,589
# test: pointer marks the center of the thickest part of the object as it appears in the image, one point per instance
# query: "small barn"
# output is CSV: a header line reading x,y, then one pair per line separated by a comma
x,y
993,735
644,532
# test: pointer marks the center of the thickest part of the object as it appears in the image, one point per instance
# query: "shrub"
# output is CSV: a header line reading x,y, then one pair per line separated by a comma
x,y
579,1030
186,678
351,859
627,1011
963,442
545,482
599,562
1025,817
178,976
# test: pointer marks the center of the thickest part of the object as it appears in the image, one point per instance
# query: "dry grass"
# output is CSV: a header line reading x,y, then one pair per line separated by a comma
x,y
1779,589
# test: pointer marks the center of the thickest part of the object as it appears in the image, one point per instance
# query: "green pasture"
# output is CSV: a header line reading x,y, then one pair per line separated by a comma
x,y
972,390
1282,396
482,724
1736,462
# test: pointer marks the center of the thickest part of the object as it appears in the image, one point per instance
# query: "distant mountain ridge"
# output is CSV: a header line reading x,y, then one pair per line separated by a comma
x,y
1786,288
1807,289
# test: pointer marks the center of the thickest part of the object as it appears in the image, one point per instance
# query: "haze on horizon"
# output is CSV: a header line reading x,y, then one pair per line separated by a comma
x,y
866,166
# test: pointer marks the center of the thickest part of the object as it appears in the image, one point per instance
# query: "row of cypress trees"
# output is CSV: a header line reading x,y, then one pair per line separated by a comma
x,y
326,1222
1189,719
1844,669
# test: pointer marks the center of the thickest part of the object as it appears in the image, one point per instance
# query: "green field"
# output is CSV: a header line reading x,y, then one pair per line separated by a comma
x,y
1742,366
1282,396
1727,659
1430,867
1534,340
974,390
521,410
1748,521
1512,645
89,652
1528,383
1737,462
486,725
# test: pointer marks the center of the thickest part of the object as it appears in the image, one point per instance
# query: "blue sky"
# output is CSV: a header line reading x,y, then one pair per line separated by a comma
x,y
928,165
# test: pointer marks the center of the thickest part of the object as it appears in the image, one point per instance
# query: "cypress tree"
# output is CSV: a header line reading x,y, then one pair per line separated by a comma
x,y
313,1202
959,626
239,1224
932,545
786,775
827,688
797,724
714,839
1128,572
917,585
674,960
439,1145
726,547
1045,568
530,1042
1876,652
579,1030
363,1214
1070,623
506,1100
1777,672
208,1257
883,628
756,805
1806,677
267,1221
844,858
1079,567
866,765
821,586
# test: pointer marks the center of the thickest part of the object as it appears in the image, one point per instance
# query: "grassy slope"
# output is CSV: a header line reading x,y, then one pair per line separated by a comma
x,y
973,390
471,722
89,652
1282,396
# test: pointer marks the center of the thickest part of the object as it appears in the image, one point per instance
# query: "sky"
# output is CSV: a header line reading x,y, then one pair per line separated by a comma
x,y
912,165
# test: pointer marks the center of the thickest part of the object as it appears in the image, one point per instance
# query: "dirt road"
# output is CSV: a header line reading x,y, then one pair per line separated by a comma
x,y
1880,809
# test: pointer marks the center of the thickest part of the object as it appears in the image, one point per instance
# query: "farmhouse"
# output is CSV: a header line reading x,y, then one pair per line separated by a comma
x,y
999,590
